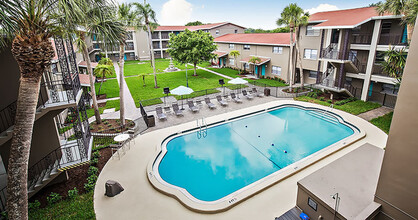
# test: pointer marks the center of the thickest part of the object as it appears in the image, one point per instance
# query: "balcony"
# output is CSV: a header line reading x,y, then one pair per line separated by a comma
x,y
165,44
165,35
155,36
337,58
361,38
156,45
392,39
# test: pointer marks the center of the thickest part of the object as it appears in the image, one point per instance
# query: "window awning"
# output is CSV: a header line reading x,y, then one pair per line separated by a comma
x,y
263,60
84,64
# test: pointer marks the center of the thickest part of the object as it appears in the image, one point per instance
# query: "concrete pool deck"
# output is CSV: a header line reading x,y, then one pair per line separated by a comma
x,y
141,200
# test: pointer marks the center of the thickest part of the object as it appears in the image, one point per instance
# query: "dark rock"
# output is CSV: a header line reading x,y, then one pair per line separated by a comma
x,y
113,188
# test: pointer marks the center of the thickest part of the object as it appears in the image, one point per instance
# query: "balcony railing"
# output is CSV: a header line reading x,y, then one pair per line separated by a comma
x,y
129,48
361,38
58,92
155,35
165,35
333,54
392,39
7,116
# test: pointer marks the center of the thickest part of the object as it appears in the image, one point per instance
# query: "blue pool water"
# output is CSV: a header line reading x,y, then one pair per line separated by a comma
x,y
236,154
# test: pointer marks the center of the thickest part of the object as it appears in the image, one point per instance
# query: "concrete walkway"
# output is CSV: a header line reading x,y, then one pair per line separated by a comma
x,y
219,74
375,113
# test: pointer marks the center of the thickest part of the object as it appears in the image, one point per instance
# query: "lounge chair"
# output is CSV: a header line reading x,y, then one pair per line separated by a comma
x,y
235,98
160,114
248,96
176,110
222,102
258,94
192,107
167,109
210,104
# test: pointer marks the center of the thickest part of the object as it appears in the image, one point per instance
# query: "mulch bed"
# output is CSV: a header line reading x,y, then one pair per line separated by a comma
x,y
111,126
102,96
101,104
76,178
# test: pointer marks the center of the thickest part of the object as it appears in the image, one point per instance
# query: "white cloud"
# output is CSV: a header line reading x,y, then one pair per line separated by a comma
x,y
322,7
176,12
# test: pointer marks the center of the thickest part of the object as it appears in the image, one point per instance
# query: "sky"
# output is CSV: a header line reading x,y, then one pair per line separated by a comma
x,y
250,14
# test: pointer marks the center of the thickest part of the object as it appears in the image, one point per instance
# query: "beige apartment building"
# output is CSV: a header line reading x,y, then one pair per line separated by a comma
x,y
342,51
273,49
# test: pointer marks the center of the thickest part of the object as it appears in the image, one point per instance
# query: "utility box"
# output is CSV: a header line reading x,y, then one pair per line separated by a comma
x,y
266,92
151,120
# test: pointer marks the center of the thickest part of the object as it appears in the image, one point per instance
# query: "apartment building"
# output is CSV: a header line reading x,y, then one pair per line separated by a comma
x,y
161,35
61,133
273,49
343,50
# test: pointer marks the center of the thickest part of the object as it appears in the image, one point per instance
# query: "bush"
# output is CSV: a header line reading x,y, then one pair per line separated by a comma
x,y
312,95
329,101
322,99
92,171
95,154
34,205
94,161
345,101
73,193
92,178
53,198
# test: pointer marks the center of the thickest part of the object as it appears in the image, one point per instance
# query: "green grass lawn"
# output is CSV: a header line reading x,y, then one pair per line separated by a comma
x,y
109,104
355,107
79,208
204,80
110,88
272,82
205,64
383,122
132,68
226,71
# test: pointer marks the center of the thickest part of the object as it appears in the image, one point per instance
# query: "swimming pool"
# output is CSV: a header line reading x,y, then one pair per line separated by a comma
x,y
243,151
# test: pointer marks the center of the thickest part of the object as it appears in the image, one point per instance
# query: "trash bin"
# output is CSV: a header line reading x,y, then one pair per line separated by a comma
x,y
151,120
266,92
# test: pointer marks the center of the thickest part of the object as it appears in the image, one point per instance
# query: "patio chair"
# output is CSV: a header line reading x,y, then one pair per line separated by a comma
x,y
235,98
167,109
192,107
199,103
210,104
160,114
222,102
248,96
258,94
177,110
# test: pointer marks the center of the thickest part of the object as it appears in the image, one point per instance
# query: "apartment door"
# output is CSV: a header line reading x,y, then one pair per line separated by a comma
x,y
297,76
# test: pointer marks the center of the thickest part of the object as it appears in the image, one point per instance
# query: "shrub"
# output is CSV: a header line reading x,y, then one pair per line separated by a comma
x,y
94,161
329,101
91,182
34,205
312,95
73,193
92,171
53,198
95,154
92,178
322,99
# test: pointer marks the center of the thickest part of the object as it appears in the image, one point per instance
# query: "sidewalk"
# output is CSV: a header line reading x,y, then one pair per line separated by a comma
x,y
375,113
219,74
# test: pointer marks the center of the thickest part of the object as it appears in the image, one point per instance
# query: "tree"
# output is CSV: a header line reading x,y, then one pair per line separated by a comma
x,y
259,30
97,19
194,23
293,16
234,53
102,71
409,8
26,26
191,47
394,63
254,61
147,15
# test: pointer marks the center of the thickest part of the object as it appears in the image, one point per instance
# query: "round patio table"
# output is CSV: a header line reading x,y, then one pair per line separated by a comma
x,y
121,138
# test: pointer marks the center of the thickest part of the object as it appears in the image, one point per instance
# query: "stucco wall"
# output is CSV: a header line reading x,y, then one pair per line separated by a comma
x,y
10,75
226,29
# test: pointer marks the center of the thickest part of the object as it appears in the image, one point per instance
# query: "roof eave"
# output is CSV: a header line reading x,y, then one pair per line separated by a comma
x,y
252,43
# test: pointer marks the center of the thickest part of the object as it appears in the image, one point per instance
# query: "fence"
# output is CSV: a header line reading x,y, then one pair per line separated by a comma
x,y
383,98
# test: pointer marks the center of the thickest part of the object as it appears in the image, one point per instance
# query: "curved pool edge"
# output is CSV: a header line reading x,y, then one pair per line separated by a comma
x,y
244,193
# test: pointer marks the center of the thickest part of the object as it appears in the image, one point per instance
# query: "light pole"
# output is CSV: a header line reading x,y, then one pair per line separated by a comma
x,y
187,79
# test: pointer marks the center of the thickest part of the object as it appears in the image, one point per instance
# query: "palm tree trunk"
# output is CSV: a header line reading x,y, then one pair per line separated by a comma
x,y
291,59
100,87
92,88
152,55
17,195
121,84
410,30
194,64
302,77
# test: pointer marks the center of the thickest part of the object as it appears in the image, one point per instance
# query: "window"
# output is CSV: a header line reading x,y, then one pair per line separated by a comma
x,y
311,32
231,61
231,46
236,31
386,26
278,50
246,66
311,54
247,47
217,32
132,54
276,70
313,74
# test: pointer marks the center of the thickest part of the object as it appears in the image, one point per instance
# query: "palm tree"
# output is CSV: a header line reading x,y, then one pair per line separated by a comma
x,y
28,25
254,61
102,71
293,16
99,19
234,53
409,8
394,63
147,15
